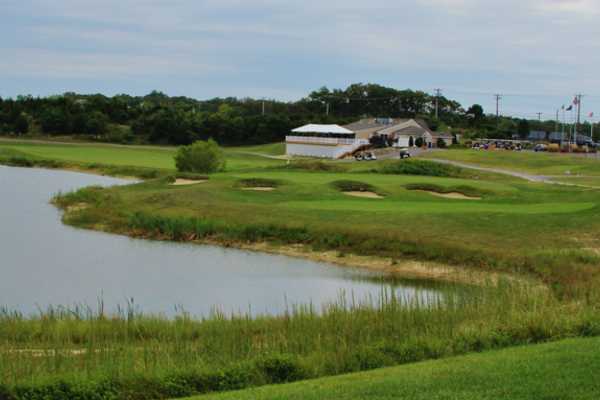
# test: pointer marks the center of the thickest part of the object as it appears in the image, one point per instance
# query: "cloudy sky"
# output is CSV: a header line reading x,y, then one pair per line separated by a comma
x,y
539,53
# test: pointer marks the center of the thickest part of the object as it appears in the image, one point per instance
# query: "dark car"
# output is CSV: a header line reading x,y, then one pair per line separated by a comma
x,y
404,154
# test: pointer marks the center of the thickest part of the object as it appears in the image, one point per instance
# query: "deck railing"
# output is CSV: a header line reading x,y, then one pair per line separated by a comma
x,y
324,140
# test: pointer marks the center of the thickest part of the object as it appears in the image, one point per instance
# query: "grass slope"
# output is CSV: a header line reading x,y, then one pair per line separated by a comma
x,y
562,370
136,156
541,163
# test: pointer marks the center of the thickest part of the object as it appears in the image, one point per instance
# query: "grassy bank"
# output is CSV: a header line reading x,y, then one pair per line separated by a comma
x,y
563,370
82,354
545,232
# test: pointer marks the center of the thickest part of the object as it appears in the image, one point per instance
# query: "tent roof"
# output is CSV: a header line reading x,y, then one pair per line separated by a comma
x,y
316,128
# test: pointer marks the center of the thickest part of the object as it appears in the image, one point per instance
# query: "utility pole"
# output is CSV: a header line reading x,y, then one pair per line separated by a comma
x,y
539,114
556,122
327,109
578,101
263,107
438,93
498,97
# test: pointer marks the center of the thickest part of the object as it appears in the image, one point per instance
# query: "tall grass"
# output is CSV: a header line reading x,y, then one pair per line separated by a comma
x,y
126,354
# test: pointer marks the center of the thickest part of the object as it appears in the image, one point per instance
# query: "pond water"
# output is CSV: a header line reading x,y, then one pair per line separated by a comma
x,y
44,262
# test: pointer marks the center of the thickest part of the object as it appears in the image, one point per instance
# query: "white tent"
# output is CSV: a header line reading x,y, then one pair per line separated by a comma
x,y
316,128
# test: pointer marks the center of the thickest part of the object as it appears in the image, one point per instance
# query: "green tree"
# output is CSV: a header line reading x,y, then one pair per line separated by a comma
x,y
21,124
411,142
201,156
523,129
96,123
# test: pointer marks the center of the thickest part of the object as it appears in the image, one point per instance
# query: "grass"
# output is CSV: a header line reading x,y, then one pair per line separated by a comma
x,y
544,232
404,224
535,163
95,355
562,370
154,157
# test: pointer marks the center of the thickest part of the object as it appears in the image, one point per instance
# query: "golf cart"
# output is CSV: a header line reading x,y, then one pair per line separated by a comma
x,y
404,154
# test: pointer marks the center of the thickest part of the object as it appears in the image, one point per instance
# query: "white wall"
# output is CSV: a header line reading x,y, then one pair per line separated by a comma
x,y
314,150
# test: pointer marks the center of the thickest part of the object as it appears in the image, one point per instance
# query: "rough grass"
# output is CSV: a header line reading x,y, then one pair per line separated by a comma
x,y
353,186
422,167
259,182
79,353
463,189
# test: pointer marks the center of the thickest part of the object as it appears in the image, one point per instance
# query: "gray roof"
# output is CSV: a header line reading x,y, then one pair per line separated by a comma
x,y
370,123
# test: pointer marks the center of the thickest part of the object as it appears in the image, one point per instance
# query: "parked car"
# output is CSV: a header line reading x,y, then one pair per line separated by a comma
x,y
540,147
404,154
365,156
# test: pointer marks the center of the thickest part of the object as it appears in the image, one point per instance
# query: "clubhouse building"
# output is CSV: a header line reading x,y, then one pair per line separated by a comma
x,y
334,141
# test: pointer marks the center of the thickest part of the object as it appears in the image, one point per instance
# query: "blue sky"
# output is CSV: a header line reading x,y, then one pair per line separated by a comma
x,y
539,53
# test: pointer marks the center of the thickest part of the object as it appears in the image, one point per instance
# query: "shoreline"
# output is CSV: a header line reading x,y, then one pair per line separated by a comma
x,y
399,269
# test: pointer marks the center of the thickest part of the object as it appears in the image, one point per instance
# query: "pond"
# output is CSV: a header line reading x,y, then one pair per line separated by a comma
x,y
44,262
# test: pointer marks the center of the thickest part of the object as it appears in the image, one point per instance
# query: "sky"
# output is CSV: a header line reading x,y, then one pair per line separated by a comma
x,y
537,53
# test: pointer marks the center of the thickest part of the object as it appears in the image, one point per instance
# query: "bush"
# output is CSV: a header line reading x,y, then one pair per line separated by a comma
x,y
5,394
281,369
431,187
441,143
419,142
352,186
19,161
314,166
201,157
259,182
421,167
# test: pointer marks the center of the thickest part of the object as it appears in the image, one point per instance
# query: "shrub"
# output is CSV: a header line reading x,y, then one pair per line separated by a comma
x,y
20,161
352,186
5,394
441,143
281,369
314,166
431,187
421,167
259,182
202,157
419,142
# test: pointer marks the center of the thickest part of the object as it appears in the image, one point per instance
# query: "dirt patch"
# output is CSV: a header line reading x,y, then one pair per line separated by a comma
x,y
182,182
260,189
451,195
409,269
367,195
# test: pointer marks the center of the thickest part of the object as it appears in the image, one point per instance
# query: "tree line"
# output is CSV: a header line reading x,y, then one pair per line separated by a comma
x,y
161,119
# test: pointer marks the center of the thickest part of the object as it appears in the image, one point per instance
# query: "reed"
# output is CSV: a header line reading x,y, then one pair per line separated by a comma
x,y
127,354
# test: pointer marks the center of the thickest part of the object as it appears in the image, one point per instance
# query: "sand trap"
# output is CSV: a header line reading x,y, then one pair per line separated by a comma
x,y
260,189
181,182
451,195
368,195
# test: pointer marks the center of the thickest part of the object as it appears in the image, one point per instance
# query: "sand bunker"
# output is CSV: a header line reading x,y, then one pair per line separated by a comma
x,y
260,188
451,195
181,182
368,195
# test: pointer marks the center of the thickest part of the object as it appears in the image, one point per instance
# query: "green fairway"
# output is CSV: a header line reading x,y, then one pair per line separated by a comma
x,y
563,370
136,156
541,163
385,215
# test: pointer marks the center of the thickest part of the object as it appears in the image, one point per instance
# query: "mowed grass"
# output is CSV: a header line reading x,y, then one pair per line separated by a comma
x,y
135,156
562,370
541,163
